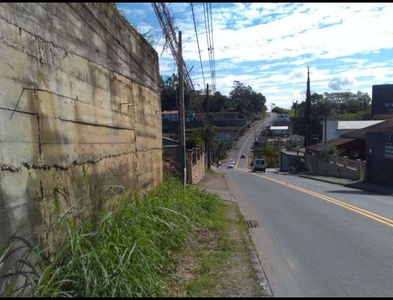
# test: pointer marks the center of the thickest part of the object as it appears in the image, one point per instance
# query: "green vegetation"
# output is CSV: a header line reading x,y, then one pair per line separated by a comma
x,y
130,251
269,151
241,99
328,106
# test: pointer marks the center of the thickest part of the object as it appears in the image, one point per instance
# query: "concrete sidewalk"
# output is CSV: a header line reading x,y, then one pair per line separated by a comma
x,y
216,183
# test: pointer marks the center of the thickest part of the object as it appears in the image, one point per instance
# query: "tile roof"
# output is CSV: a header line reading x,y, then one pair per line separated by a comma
x,y
334,142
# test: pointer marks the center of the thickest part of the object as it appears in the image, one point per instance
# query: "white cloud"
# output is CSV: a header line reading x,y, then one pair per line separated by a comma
x,y
339,83
268,46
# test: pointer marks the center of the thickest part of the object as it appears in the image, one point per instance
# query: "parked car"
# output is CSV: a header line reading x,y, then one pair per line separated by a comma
x,y
243,155
259,165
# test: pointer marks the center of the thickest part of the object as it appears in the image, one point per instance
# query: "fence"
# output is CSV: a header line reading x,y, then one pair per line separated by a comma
x,y
333,165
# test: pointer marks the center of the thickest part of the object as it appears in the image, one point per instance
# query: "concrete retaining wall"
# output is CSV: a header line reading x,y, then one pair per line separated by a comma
x,y
79,99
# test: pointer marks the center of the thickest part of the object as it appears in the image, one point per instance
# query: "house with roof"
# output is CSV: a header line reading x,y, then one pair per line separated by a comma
x,y
377,143
335,128
283,130
372,145
334,137
282,117
173,116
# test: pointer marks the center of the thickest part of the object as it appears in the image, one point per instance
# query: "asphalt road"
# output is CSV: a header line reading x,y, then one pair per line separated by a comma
x,y
315,239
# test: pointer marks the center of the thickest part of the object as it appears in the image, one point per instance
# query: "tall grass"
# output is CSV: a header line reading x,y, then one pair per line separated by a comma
x,y
129,251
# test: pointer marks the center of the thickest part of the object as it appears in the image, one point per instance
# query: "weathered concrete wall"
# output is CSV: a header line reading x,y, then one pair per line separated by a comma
x,y
322,167
79,95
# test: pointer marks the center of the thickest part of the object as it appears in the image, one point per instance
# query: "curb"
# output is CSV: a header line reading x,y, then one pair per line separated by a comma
x,y
257,266
254,257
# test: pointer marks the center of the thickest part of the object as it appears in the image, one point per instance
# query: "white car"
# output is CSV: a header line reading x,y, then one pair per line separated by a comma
x,y
231,165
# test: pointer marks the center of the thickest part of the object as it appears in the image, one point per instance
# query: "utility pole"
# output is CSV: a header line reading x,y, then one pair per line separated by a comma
x,y
182,132
208,128
324,133
307,140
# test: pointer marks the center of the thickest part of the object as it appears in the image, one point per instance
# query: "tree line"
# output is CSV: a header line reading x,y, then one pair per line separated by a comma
x,y
242,99
328,106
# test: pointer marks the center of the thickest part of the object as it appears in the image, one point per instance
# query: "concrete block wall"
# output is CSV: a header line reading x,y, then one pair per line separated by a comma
x,y
323,167
79,98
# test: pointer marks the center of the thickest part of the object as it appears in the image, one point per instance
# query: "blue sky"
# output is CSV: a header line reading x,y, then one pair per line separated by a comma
x,y
268,46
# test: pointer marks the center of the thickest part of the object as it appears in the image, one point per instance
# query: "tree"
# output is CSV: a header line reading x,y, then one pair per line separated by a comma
x,y
329,106
279,110
246,100
169,93
218,102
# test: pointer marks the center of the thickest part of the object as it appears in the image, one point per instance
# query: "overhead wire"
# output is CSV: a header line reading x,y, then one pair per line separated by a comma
x,y
209,39
199,49
213,56
167,21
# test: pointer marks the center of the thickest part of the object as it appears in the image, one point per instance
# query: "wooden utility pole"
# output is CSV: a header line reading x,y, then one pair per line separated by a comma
x,y
182,132
307,140
208,128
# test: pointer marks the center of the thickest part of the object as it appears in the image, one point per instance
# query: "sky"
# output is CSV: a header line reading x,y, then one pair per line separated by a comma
x,y
270,46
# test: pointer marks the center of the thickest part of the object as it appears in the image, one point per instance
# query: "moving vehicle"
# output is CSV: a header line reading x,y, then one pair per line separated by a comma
x,y
231,165
243,155
259,165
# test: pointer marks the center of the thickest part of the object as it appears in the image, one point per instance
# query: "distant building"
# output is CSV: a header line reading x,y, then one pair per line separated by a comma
x,y
280,130
262,139
282,117
170,115
297,140
382,102
173,115
222,119
222,137
335,128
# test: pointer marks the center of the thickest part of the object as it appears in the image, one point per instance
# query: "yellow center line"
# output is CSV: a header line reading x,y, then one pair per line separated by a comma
x,y
358,210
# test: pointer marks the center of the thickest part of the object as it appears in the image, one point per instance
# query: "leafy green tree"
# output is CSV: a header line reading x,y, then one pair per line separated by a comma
x,y
197,137
279,110
333,106
217,103
169,93
246,100
271,154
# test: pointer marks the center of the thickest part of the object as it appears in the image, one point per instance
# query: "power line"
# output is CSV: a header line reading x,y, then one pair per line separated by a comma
x,y
166,23
210,43
199,50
